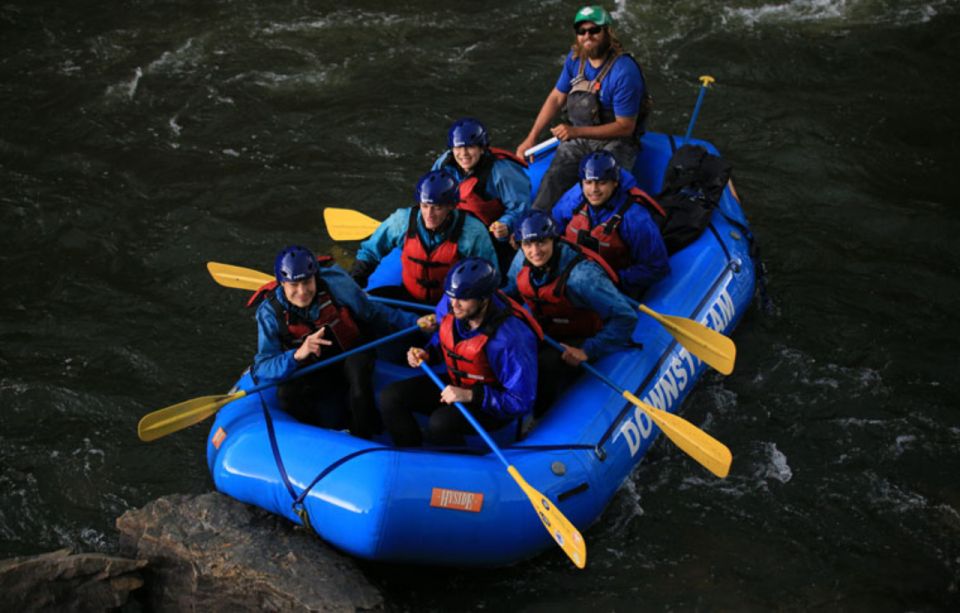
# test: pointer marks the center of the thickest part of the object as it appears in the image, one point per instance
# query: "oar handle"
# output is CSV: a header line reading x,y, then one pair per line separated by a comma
x,y
705,82
466,414
543,147
337,358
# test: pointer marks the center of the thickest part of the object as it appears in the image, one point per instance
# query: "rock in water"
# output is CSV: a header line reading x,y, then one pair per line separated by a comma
x,y
65,581
210,552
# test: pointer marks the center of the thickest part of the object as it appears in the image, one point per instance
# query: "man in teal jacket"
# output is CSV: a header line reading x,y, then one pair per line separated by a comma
x,y
433,236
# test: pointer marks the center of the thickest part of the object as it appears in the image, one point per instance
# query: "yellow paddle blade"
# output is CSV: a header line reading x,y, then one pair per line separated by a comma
x,y
708,451
559,527
182,415
237,277
348,225
709,345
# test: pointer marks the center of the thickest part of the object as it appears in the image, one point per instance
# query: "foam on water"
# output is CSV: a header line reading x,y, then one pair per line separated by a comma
x,y
628,501
355,17
284,81
838,12
776,467
788,12
184,58
126,89
374,149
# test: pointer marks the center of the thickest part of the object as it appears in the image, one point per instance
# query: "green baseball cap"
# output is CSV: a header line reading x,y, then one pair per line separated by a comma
x,y
595,13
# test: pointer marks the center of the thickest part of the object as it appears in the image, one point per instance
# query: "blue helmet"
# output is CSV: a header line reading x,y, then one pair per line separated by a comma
x,y
437,187
599,166
295,263
467,132
471,278
534,226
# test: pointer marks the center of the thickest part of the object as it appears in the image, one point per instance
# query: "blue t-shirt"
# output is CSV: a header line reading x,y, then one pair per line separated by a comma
x,y
620,91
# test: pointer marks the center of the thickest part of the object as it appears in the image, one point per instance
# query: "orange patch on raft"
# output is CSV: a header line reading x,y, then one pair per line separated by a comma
x,y
218,437
456,500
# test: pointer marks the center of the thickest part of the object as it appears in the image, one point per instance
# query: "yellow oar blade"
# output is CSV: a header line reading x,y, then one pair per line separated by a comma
x,y
709,345
237,277
348,225
708,451
559,527
182,415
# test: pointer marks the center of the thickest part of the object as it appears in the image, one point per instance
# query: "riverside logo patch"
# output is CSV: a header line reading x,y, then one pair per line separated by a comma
x,y
218,437
456,500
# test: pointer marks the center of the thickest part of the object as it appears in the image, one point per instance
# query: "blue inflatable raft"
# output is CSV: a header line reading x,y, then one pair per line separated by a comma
x,y
462,508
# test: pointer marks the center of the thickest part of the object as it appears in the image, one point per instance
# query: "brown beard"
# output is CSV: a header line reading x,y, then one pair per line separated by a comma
x,y
601,49
610,41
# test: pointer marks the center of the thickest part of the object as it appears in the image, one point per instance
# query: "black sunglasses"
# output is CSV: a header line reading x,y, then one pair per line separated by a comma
x,y
591,31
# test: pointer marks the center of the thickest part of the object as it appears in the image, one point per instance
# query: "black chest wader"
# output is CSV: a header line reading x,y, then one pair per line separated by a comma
x,y
583,101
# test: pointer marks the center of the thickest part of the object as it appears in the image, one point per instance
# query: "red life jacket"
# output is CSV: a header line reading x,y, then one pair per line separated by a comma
x,y
466,360
473,187
338,319
550,304
605,238
423,273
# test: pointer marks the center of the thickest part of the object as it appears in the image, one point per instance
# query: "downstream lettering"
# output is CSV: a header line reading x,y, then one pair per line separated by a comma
x,y
674,378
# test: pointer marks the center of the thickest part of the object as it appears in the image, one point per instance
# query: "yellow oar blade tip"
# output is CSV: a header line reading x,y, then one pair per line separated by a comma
x,y
579,553
722,467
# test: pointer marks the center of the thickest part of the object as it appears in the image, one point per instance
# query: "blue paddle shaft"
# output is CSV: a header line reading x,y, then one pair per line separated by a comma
x,y
696,111
473,422
415,306
552,342
587,367
337,358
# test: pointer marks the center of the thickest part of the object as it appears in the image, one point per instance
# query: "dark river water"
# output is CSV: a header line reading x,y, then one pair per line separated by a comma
x,y
141,139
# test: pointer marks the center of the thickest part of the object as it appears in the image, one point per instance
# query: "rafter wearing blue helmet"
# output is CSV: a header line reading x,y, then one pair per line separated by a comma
x,y
315,309
603,92
489,345
493,184
573,295
433,235
608,213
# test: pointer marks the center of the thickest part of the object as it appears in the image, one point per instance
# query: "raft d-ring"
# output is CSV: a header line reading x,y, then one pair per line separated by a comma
x,y
301,512
736,264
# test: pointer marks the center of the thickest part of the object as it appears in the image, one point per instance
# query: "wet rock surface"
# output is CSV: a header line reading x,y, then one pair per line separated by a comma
x,y
193,553
66,581
211,552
